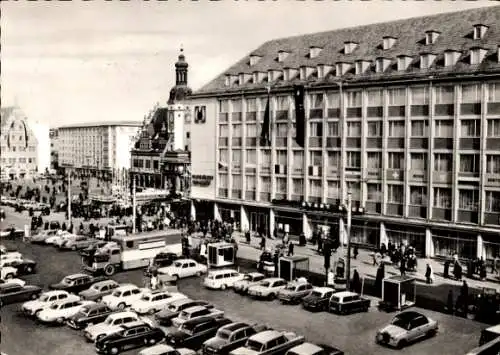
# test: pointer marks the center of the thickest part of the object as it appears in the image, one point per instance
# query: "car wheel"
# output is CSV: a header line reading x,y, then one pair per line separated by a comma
x,y
176,277
9,276
73,248
271,296
152,341
29,269
431,333
402,344
37,312
198,273
223,287
60,320
99,337
121,306
114,350
109,270
34,296
152,311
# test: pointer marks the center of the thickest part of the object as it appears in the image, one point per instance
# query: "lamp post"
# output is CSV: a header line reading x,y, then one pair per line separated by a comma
x,y
69,196
348,263
133,204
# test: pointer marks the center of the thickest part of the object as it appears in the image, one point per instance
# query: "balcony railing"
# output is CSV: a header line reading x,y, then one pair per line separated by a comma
x,y
280,196
492,218
419,143
444,110
397,111
297,197
314,199
468,216
332,201
395,174
395,142
394,209
353,142
332,171
417,211
333,142
281,142
419,110
222,193
236,116
315,142
236,141
374,142
468,174
250,195
418,175
375,111
443,143
333,112
492,143
250,169
223,117
470,109
251,141
223,141
281,115
492,179
443,177
297,170
493,108
353,112
469,143
265,169
374,174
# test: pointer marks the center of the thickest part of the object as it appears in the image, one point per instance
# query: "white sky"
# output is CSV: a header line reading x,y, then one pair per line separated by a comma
x,y
69,62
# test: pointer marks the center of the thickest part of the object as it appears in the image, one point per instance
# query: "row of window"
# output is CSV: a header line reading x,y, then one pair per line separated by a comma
x,y
22,148
21,160
470,93
443,162
145,164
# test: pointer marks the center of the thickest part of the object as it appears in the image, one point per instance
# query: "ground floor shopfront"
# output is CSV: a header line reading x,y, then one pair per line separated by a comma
x,y
429,240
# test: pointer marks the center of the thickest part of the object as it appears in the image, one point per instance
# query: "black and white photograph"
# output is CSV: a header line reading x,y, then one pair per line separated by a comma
x,y
250,177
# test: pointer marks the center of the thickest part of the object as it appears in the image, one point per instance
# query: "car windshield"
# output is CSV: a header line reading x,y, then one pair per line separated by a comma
x,y
172,308
316,294
146,298
247,278
95,287
187,328
400,322
184,315
223,334
290,288
84,311
109,320
335,299
66,281
117,294
264,284
54,306
253,345
177,264
44,298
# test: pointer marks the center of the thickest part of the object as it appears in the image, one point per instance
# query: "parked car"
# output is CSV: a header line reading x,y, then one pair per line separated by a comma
x,y
110,325
77,243
318,299
41,237
53,240
165,316
294,292
196,312
195,332
250,279
88,315
77,282
131,336
269,342
123,296
183,268
153,301
11,233
406,328
92,248
9,254
13,281
267,288
46,299
222,279
12,293
59,311
7,272
63,239
230,337
348,302
23,266
164,349
98,290
159,261
313,349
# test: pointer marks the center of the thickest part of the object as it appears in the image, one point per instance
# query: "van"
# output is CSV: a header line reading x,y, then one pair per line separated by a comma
x,y
221,279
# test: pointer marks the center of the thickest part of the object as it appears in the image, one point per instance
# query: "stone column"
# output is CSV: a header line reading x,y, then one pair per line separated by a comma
x,y
216,212
306,226
383,235
342,231
481,250
271,222
244,223
429,246
192,211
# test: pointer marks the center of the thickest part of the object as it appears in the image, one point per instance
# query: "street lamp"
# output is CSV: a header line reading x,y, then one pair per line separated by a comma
x,y
349,213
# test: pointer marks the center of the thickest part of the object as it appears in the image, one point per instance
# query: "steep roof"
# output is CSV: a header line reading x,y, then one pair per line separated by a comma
x,y
5,114
456,33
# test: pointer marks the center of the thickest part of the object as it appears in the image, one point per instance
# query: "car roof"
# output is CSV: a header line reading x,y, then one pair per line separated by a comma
x,y
105,282
265,336
9,285
93,306
195,309
124,287
255,274
66,300
221,271
55,292
306,348
272,279
200,320
323,289
158,349
123,314
184,260
76,276
345,294
410,315
234,326
133,324
181,301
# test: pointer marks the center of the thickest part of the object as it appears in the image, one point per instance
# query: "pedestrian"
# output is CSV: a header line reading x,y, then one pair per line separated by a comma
x,y
248,236
402,267
356,282
383,249
450,303
285,239
482,272
494,266
428,274
263,243
464,294
302,239
374,255
320,244
446,269
379,278
355,252
290,248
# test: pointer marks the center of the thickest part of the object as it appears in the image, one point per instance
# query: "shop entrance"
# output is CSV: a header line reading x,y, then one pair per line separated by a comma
x,y
446,244
288,223
259,221
399,235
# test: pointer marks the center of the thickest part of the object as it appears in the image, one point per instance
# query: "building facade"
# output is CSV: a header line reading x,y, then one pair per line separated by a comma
x,y
54,148
18,144
404,116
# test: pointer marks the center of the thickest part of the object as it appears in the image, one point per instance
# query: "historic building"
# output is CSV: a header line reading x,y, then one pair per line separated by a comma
x,y
404,116
160,157
18,145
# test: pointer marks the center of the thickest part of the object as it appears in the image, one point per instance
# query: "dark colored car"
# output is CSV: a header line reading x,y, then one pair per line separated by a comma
x,y
12,293
77,282
160,260
348,302
318,299
24,266
12,233
165,316
88,315
133,335
194,333
230,337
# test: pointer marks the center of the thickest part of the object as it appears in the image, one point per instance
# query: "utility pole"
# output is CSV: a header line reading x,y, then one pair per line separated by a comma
x,y
69,196
348,264
133,205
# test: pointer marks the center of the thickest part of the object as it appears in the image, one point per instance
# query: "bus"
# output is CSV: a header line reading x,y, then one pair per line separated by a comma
x,y
127,252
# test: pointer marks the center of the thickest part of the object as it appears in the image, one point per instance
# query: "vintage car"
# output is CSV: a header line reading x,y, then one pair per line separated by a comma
x,y
195,332
124,296
41,237
13,281
77,243
348,302
318,299
77,282
267,288
406,328
159,261
153,301
132,336
165,316
23,266
269,342
314,349
110,325
164,349
7,272
59,311
11,232
294,292
98,290
46,299
12,293
9,254
230,337
88,315
182,268
250,279
222,279
196,312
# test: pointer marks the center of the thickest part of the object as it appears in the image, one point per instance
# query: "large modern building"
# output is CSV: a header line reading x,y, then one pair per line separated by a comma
x,y
18,145
54,148
404,116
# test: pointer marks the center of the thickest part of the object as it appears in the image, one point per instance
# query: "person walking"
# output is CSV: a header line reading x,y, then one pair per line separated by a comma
x,y
494,266
355,252
290,248
428,274
402,267
446,270
263,243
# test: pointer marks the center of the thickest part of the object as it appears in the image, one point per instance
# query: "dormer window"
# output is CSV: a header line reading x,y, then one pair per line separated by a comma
x,y
323,70
381,64
477,55
231,79
314,51
254,59
451,57
426,60
306,72
259,77
282,56
342,68
290,73
388,42
479,31
274,74
403,62
227,81
431,37
349,47
361,66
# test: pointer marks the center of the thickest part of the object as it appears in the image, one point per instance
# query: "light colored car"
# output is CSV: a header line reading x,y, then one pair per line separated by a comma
x,y
250,279
59,311
222,279
267,288
269,342
154,301
42,236
13,281
6,254
64,238
182,268
111,325
123,296
53,240
45,300
76,243
164,349
196,312
98,290
406,328
7,272
294,292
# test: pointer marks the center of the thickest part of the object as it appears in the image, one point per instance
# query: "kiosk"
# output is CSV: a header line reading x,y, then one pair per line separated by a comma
x,y
398,292
220,254
293,267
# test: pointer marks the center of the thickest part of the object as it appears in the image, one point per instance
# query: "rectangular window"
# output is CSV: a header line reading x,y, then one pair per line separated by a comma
x,y
494,92
298,186
237,131
251,130
265,184
394,193
237,182
374,160
375,98
223,181
397,129
354,129
282,103
317,100
224,155
374,192
444,94
265,158
443,162
418,195
419,128
493,164
419,95
251,157
353,186
333,189
494,128
223,130
333,159
251,105
298,159
281,129
471,93
469,163
492,203
314,188
250,183
444,128
470,128
236,105
281,185
468,199
316,129
333,99
418,161
353,160
374,129
397,97
148,164
316,158
396,160
236,158
223,106
354,98
333,129
281,157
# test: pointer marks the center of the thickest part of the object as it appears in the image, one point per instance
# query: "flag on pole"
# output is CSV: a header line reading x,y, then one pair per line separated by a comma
x,y
300,116
265,135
